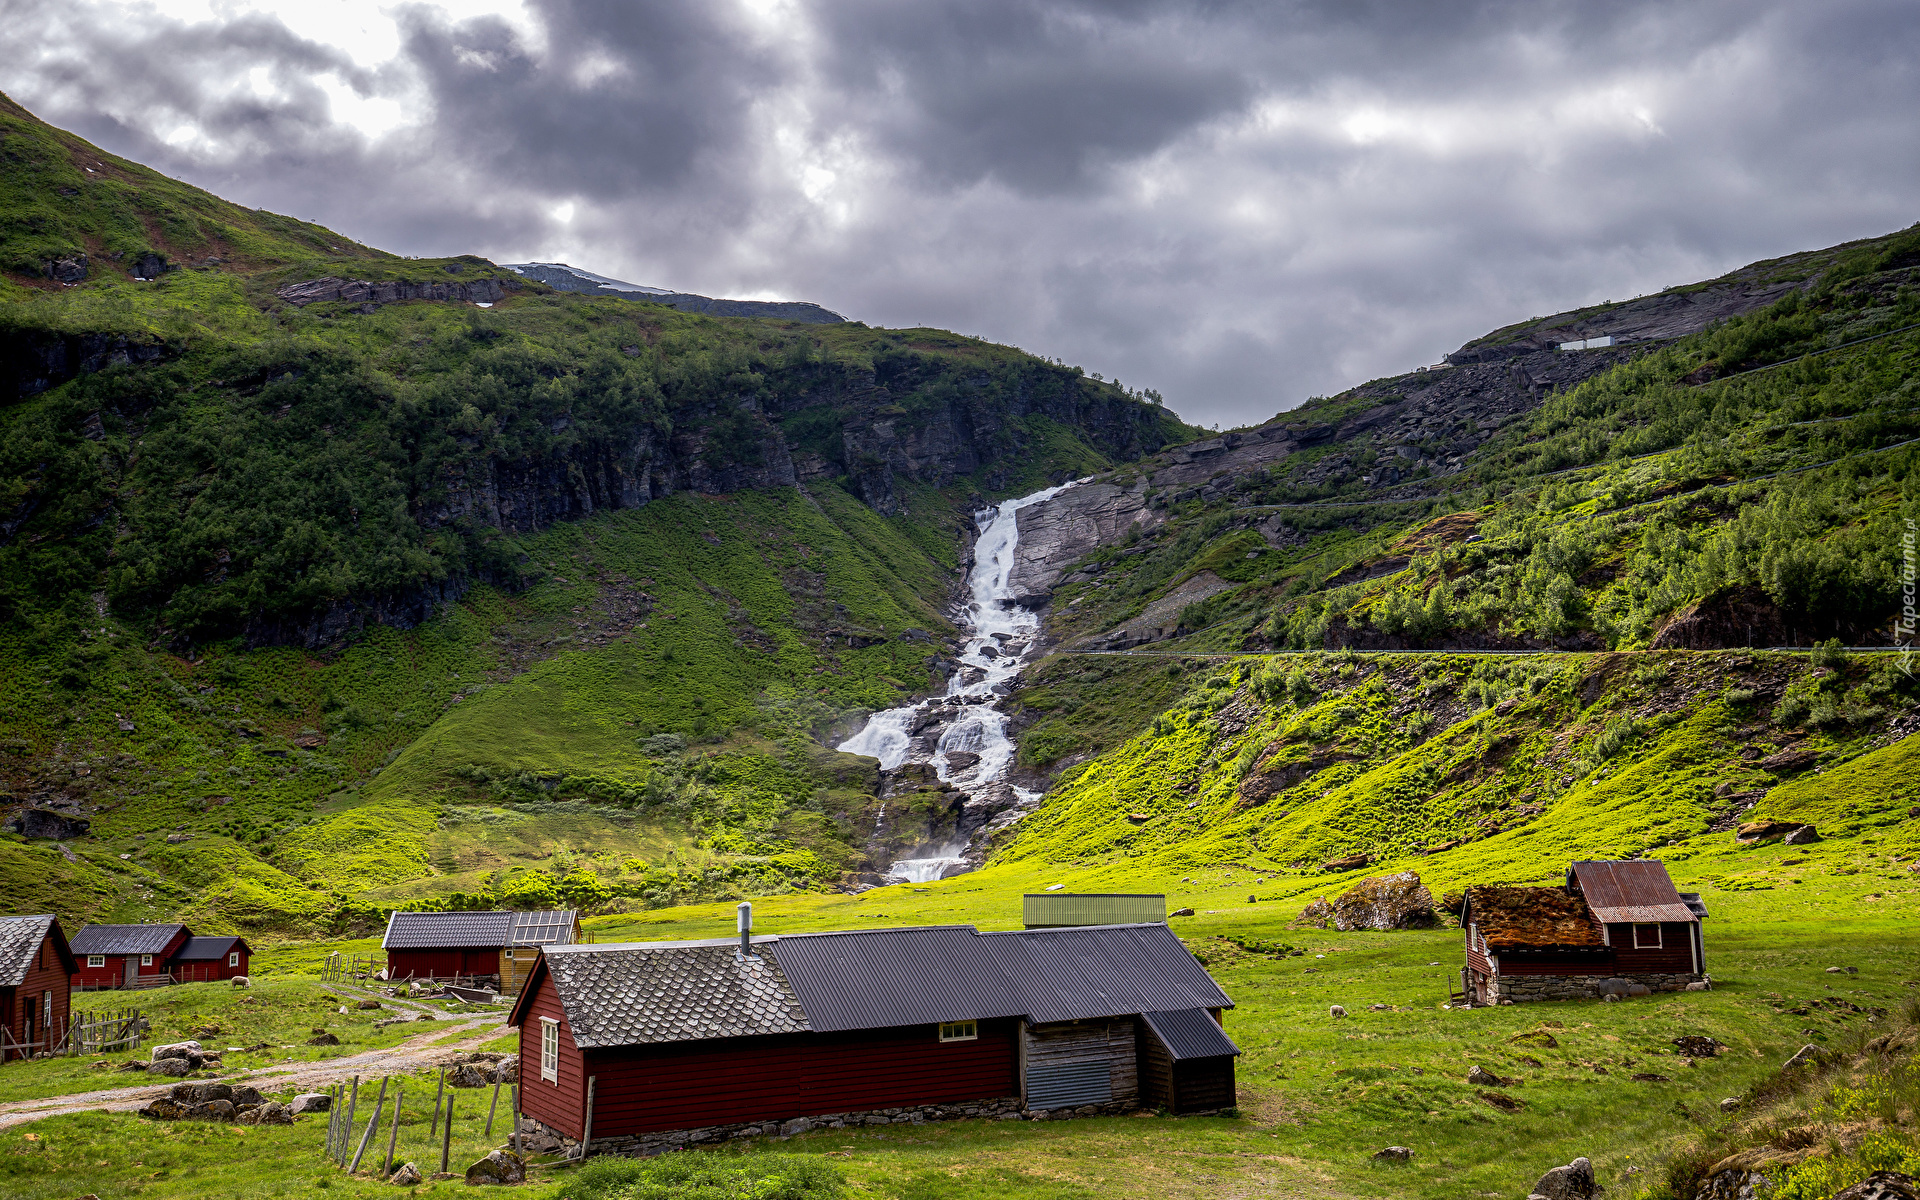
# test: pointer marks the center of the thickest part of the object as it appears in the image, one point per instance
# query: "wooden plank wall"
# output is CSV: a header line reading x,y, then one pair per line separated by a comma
x,y
1111,1038
1156,1070
561,1105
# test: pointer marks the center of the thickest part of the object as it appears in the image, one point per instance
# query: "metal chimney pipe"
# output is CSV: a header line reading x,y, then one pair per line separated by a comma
x,y
745,925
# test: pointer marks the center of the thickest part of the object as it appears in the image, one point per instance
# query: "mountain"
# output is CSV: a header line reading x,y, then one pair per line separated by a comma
x,y
564,278
333,580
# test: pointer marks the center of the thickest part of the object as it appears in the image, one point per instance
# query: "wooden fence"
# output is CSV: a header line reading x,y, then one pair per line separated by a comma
x,y
340,967
347,1151
94,1033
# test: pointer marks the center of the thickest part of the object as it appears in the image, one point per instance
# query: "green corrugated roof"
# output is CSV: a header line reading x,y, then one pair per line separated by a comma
x,y
1041,909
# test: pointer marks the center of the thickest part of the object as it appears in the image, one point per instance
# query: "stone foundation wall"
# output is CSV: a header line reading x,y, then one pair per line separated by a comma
x,y
540,1139
1523,989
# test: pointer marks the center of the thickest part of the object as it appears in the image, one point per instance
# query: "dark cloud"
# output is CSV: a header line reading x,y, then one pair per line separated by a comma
x,y
1237,204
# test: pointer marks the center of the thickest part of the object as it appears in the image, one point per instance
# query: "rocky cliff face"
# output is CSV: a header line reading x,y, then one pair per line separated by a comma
x,y
564,278
361,291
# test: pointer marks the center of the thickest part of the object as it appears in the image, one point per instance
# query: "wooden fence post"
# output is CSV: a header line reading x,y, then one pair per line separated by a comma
x,y
372,1123
393,1129
446,1136
493,1103
353,1102
586,1134
438,1092
516,1120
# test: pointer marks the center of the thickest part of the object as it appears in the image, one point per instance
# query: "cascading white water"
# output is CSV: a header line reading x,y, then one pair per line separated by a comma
x,y
992,623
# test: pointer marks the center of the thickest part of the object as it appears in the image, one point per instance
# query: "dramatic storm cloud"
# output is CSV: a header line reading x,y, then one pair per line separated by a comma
x,y
1237,204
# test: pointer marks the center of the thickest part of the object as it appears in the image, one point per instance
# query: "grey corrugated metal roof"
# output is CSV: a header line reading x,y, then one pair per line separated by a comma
x,y
125,939
448,930
207,949
1695,904
20,939
634,993
1190,1033
551,927
1620,892
626,995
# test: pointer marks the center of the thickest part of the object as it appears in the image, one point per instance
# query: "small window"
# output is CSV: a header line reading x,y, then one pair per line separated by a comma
x,y
549,1049
146,960
96,960
233,958
1646,936
959,1031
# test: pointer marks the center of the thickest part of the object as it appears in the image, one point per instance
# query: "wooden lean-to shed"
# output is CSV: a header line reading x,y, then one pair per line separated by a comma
x,y
36,984
668,1037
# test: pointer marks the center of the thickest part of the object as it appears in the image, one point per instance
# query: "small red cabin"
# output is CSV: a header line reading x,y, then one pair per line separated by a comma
x,y
641,1042
478,945
1613,927
209,958
116,956
36,982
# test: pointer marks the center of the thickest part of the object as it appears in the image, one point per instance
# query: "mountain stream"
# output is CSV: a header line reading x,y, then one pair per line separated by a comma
x,y
972,751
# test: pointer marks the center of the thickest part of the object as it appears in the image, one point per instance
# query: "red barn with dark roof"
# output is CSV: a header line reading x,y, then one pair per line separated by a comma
x,y
210,958
36,981
1617,927
442,945
647,1041
115,956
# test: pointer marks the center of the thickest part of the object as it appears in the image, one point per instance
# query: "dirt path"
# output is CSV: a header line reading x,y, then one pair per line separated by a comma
x,y
414,1054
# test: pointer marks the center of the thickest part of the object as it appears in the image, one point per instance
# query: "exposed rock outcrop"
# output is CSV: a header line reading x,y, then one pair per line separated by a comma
x,y
390,291
1055,533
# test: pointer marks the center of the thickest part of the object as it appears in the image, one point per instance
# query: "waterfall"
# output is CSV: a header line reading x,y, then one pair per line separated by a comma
x,y
999,636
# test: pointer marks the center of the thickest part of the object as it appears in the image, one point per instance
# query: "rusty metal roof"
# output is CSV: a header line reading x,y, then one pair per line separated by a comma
x,y
1625,892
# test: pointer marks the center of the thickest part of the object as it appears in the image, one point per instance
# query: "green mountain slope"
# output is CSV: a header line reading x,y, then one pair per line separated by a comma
x,y
396,595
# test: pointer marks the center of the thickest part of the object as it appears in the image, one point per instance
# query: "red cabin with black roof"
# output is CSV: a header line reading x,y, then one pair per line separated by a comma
x,y
643,1041
472,945
36,984
203,959
120,956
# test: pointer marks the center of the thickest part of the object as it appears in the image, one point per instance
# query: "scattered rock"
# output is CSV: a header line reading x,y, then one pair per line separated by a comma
x,y
187,1049
1793,758
1836,970
201,1093
310,1102
131,1065
1181,912
175,1067
1574,1181
1803,836
1697,1046
271,1113
1730,1104
501,1166
1350,863
1393,1154
406,1176
507,1070
469,1075
323,1039
368,1005
1764,831
1808,1053
1481,1077
1535,1037
1502,1102
1882,1185
1650,1077
1383,902
44,823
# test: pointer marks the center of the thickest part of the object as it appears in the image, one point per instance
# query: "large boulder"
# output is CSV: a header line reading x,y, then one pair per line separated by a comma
x,y
310,1102
175,1067
470,1075
1882,1185
271,1113
1380,902
176,1050
1574,1181
201,1093
405,1175
45,823
507,1070
502,1166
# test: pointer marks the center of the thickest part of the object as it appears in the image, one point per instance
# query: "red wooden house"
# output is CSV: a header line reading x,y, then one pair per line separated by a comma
x,y
36,981
115,956
477,945
1616,927
647,1045
211,958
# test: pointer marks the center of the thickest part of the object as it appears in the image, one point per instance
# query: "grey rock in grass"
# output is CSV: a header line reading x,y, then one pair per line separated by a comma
x,y
201,1093
1481,1077
499,1167
469,1075
406,1175
1730,1104
188,1049
1393,1154
1806,835
175,1067
311,1102
1574,1181
1882,1185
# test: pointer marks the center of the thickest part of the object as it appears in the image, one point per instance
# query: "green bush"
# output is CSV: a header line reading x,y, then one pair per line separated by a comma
x,y
696,1175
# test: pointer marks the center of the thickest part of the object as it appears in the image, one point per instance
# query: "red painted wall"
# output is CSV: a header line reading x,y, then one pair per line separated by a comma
x,y
688,1084
114,974
1675,957
17,1004
201,971
443,963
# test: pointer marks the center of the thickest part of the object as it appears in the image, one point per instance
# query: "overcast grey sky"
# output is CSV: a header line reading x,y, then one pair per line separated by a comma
x,y
1240,205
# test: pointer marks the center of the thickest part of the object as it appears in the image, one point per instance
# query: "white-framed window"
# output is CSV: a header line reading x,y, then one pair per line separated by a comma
x,y
959,1031
96,960
146,960
549,1049
233,958
1646,935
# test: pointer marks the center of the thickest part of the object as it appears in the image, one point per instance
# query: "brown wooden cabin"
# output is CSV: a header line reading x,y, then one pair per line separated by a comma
x,y
36,984
473,945
1611,927
204,959
124,956
675,1036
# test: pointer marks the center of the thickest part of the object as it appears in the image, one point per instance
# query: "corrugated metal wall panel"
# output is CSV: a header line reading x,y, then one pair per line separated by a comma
x,y
1069,1084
